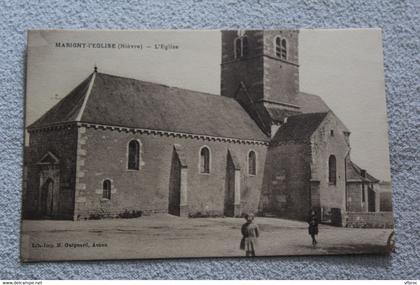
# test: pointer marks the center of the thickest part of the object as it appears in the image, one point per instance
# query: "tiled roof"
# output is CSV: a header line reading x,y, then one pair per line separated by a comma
x,y
310,103
354,173
304,102
119,101
299,128
67,109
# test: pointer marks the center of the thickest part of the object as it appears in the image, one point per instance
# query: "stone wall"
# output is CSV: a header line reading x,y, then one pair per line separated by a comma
x,y
354,197
369,220
61,142
281,77
237,73
324,143
385,204
288,176
248,70
104,156
264,74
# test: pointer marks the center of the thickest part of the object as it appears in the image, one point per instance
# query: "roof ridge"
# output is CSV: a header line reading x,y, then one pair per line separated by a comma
x,y
59,104
292,130
133,102
167,86
86,97
358,169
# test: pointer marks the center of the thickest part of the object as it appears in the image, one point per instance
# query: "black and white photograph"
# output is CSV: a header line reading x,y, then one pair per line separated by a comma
x,y
205,143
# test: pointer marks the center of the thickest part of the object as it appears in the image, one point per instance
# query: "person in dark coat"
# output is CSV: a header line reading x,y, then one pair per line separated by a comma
x,y
313,226
250,233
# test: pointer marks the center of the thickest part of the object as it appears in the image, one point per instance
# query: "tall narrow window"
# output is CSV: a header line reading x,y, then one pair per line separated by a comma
x,y
252,163
244,47
283,49
238,48
241,47
133,155
204,160
332,170
106,189
277,46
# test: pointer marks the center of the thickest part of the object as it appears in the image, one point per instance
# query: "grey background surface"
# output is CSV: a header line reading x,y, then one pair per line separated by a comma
x,y
400,22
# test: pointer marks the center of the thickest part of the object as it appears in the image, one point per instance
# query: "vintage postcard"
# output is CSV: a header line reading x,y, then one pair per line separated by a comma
x,y
174,144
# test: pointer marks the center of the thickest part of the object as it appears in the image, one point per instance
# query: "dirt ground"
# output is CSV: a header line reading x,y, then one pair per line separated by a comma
x,y
170,236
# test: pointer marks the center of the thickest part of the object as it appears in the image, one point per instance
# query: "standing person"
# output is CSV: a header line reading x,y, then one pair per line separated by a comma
x,y
250,233
313,226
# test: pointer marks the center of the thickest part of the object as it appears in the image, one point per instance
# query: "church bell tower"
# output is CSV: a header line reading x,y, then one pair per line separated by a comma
x,y
260,69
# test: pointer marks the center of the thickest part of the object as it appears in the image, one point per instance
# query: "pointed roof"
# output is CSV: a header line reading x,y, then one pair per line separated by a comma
x,y
118,101
303,103
67,109
354,173
310,103
299,128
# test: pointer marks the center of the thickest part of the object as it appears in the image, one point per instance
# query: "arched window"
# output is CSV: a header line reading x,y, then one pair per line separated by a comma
x,y
204,160
244,47
280,47
252,163
241,47
238,48
283,49
133,155
277,46
332,170
106,189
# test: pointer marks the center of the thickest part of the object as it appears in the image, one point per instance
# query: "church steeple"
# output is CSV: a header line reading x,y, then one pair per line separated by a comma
x,y
260,69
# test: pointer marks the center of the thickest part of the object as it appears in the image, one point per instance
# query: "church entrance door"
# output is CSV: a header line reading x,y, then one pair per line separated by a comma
x,y
47,198
49,191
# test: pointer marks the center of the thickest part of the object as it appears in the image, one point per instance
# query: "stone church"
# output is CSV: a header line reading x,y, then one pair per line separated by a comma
x,y
117,144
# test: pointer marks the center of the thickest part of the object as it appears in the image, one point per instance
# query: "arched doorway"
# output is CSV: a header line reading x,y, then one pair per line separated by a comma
x,y
47,198
49,188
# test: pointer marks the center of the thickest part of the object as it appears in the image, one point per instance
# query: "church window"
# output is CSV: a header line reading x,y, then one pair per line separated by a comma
x,y
106,189
332,170
280,47
238,48
277,46
244,47
252,163
205,160
283,49
332,133
241,47
134,155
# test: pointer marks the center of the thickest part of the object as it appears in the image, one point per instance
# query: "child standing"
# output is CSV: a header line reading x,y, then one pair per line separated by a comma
x,y
250,233
313,226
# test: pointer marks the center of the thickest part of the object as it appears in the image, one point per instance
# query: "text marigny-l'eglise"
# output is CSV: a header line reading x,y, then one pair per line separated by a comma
x,y
83,45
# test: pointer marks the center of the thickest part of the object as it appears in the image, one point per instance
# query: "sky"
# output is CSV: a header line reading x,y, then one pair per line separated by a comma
x,y
344,67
